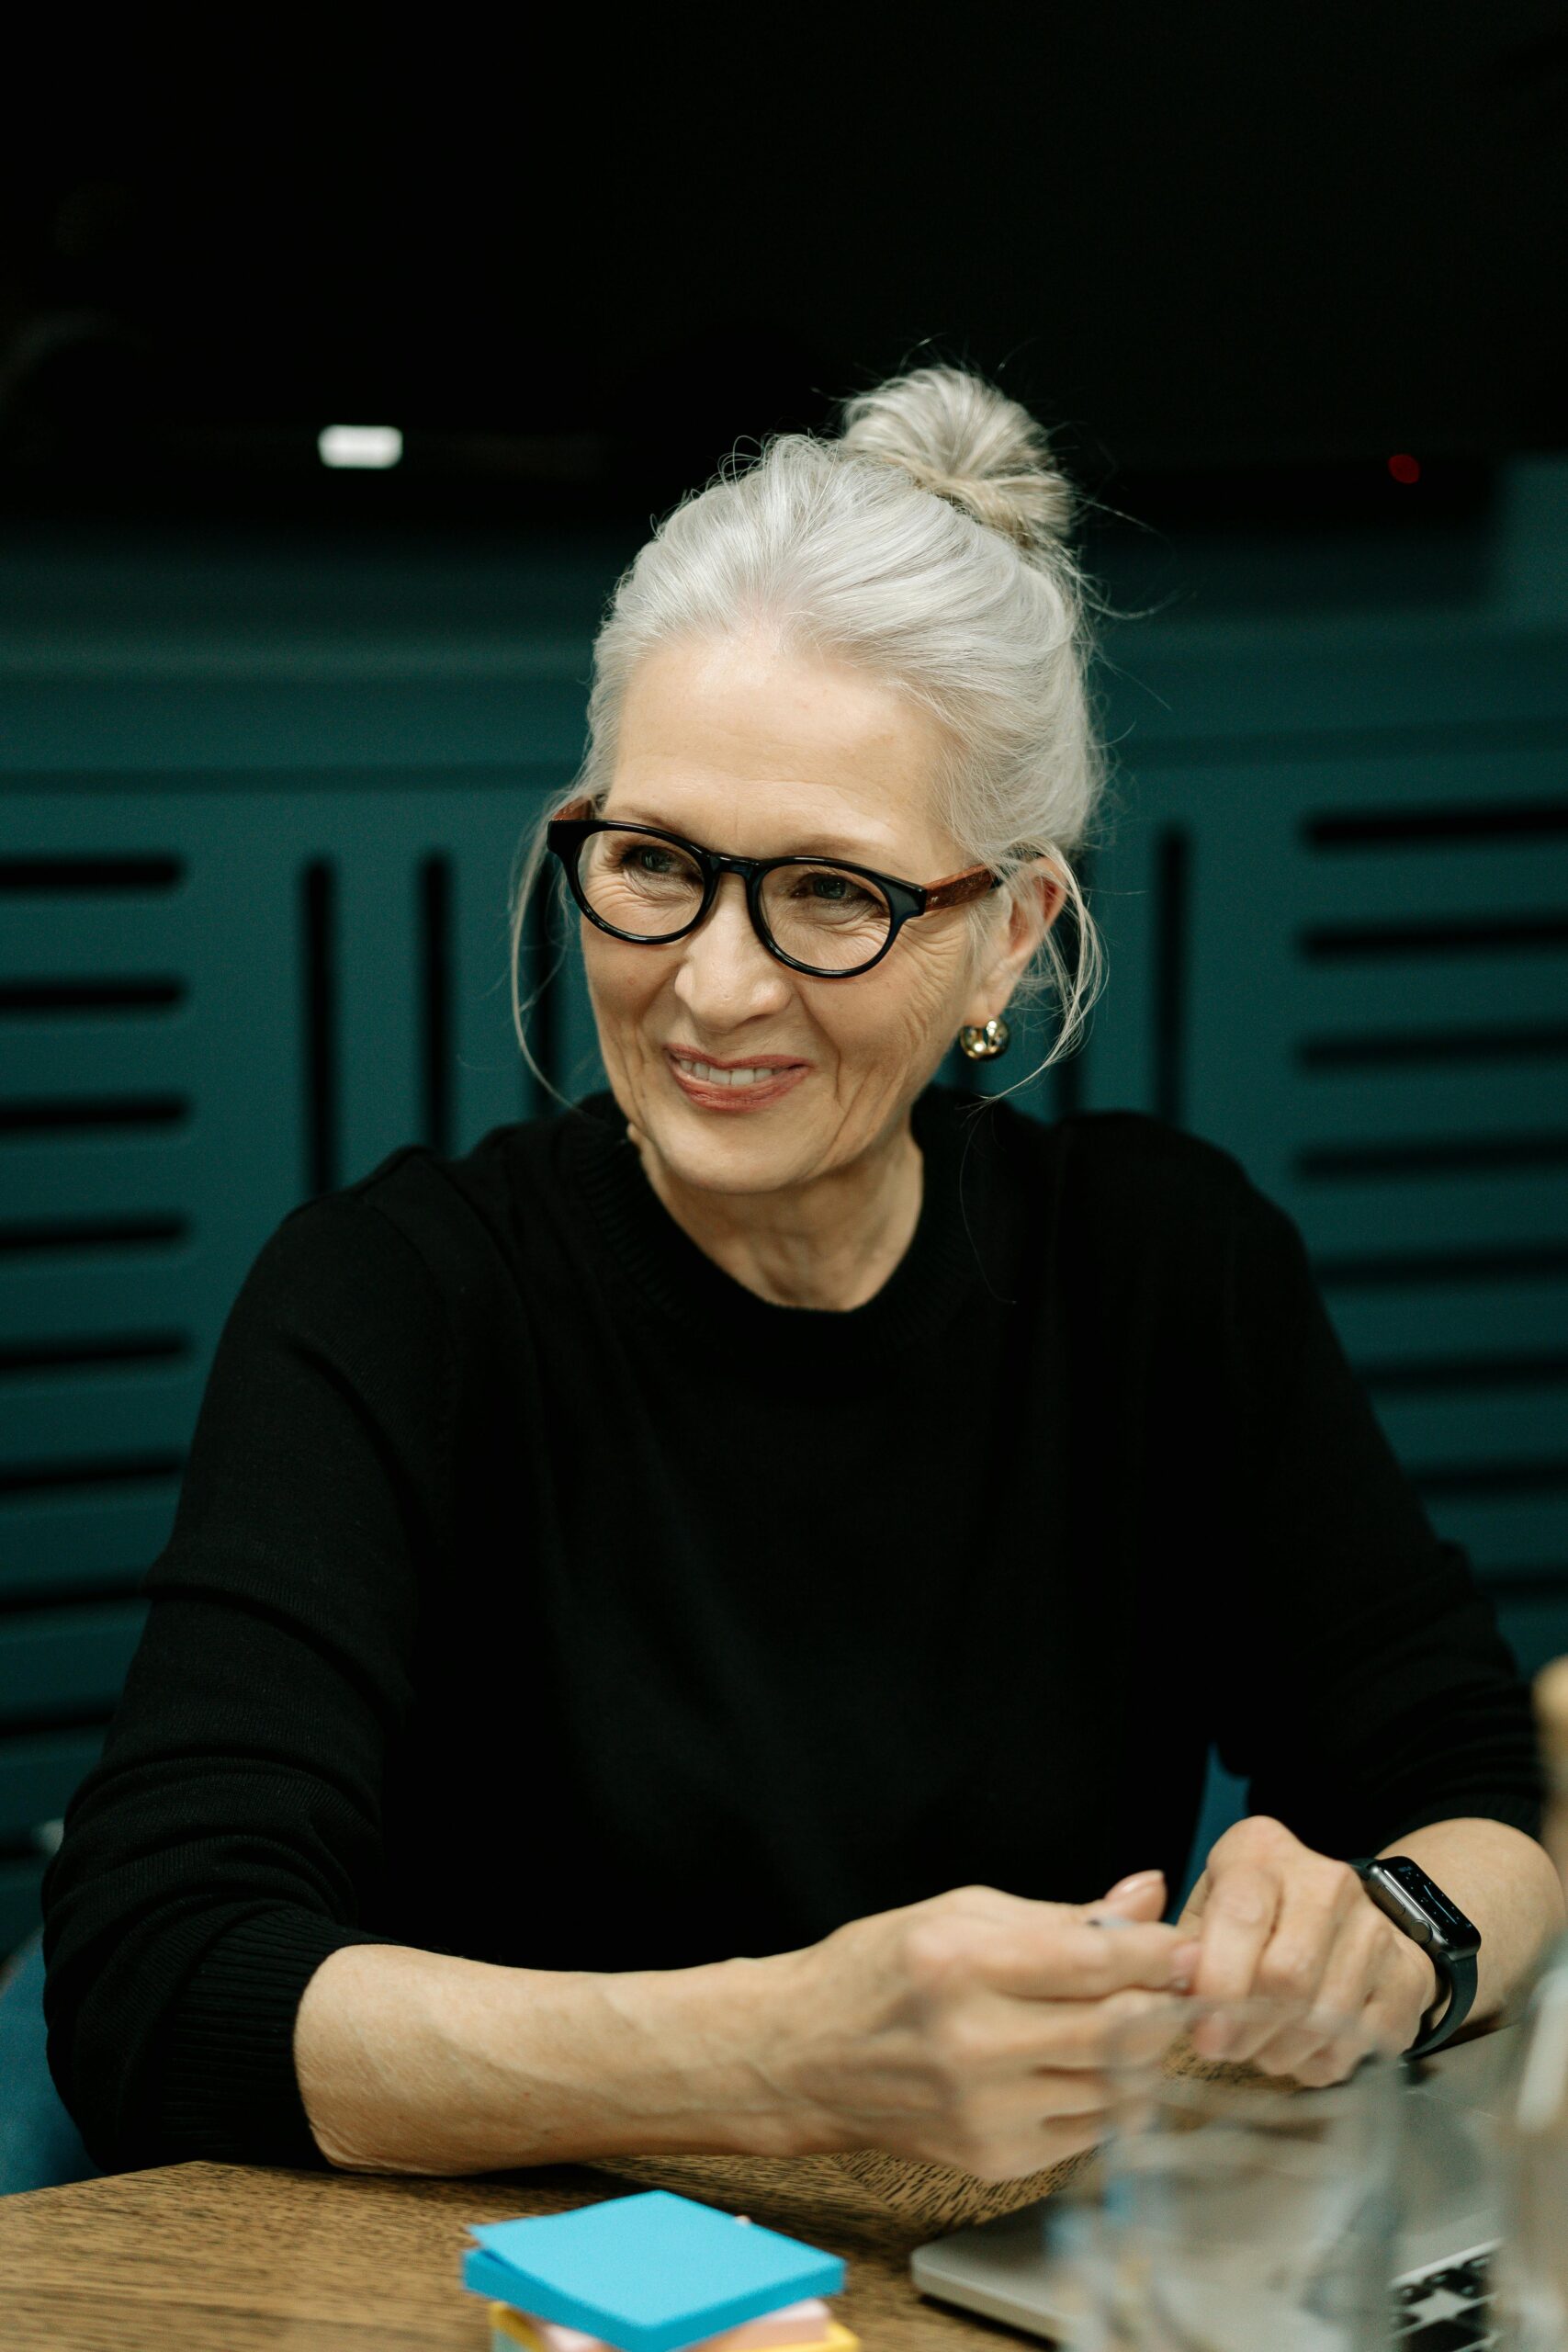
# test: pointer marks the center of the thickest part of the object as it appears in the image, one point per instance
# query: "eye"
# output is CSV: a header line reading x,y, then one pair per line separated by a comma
x,y
830,887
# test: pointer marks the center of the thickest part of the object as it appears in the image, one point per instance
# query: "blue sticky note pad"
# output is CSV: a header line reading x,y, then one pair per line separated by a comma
x,y
648,2273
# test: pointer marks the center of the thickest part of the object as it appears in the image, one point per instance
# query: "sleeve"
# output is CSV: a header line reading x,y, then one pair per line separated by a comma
x,y
228,1838
1366,1689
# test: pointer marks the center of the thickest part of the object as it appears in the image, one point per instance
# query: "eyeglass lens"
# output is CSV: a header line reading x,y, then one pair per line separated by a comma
x,y
822,915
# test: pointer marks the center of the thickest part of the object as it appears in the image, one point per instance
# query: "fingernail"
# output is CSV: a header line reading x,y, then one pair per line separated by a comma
x,y
1138,1878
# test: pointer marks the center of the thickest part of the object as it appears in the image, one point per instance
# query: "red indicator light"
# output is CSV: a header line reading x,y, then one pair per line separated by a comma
x,y
1405,468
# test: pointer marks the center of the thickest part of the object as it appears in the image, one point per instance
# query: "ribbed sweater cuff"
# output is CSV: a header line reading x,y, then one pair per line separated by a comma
x,y
1515,1812
228,2090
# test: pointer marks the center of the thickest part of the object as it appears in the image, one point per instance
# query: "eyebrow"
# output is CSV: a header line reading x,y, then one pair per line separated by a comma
x,y
817,845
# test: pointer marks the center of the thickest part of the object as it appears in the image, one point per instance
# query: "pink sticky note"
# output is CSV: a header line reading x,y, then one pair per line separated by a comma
x,y
790,2324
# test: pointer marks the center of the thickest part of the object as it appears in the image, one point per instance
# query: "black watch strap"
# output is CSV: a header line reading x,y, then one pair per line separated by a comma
x,y
1456,1971
1459,1976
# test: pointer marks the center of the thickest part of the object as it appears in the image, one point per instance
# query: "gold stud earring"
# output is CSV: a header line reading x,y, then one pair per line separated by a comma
x,y
985,1045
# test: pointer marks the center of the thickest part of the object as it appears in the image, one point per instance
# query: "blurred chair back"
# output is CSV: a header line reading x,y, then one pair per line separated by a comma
x,y
39,2145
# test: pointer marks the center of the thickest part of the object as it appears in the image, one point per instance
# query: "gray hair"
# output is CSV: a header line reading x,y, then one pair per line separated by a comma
x,y
927,543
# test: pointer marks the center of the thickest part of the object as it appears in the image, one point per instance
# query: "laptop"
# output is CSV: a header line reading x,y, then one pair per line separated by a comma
x,y
1450,2225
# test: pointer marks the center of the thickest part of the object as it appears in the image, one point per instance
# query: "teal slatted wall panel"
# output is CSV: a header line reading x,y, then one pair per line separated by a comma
x,y
274,949
1338,939
218,997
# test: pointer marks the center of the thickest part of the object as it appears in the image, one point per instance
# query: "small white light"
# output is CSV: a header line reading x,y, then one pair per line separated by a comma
x,y
360,445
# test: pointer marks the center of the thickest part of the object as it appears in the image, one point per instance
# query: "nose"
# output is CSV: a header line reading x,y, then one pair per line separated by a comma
x,y
724,959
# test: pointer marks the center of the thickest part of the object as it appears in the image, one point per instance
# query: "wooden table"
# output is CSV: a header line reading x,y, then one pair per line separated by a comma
x,y
207,2258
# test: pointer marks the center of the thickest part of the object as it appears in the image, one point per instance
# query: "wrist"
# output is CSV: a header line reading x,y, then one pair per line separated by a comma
x,y
1448,1942
707,2054
779,2041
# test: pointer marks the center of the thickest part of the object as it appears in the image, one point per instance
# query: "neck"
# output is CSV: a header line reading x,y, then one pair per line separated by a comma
x,y
830,1245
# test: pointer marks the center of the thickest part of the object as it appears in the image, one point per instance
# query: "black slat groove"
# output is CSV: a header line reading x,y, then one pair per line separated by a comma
x,y
319,1012
1441,1049
116,1470
1513,820
70,1115
1525,1477
1431,1156
90,874
1441,1375
35,997
1416,1269
81,1350
92,1233
1342,943
1173,872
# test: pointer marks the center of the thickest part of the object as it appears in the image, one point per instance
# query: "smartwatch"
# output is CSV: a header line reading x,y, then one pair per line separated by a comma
x,y
1402,1889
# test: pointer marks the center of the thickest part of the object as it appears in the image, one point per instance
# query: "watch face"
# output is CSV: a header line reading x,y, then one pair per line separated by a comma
x,y
1453,1931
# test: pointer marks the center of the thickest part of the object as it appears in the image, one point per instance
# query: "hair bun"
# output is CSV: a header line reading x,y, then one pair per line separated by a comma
x,y
962,438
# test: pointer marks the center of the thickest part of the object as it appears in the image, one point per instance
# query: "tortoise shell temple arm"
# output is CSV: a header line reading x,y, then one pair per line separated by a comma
x,y
960,887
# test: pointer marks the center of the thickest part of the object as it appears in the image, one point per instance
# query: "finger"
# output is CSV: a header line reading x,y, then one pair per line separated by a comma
x,y
1318,1897
1354,1965
1339,2058
1125,2028
1140,1896
1237,1922
1069,2091
1074,1959
1191,1918
1029,2129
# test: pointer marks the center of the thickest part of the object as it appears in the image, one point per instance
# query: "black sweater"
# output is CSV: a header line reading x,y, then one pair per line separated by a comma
x,y
540,1594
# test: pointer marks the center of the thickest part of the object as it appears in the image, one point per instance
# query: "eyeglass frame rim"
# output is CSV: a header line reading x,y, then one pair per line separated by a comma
x,y
566,833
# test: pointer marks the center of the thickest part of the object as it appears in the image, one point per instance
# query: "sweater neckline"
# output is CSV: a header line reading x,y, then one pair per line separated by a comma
x,y
690,1291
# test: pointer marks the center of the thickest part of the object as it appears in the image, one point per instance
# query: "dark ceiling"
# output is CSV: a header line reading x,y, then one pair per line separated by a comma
x,y
1232,254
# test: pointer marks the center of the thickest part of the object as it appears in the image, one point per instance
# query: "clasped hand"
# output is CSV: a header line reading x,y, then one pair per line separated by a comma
x,y
974,2028
1275,1920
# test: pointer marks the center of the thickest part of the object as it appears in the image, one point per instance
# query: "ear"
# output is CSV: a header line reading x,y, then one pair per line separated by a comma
x,y
1037,895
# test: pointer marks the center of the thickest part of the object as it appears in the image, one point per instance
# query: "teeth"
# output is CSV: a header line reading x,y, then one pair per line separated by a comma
x,y
709,1076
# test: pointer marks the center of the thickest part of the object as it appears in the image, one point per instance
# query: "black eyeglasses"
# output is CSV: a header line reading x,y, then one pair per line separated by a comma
x,y
818,915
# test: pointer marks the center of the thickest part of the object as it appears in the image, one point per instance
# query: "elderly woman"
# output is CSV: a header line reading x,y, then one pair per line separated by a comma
x,y
683,1622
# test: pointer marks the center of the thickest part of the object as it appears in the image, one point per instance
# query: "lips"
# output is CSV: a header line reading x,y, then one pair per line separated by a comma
x,y
736,1086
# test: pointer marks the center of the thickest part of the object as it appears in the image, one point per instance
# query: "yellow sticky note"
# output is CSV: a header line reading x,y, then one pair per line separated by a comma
x,y
508,2328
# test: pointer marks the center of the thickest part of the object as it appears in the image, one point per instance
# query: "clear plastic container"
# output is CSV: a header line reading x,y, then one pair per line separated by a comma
x,y
1533,2263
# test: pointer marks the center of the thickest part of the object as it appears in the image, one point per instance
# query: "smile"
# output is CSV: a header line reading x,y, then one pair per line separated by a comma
x,y
708,1085
710,1074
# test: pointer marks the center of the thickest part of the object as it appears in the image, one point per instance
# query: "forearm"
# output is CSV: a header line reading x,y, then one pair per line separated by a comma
x,y
412,2062
1504,1881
